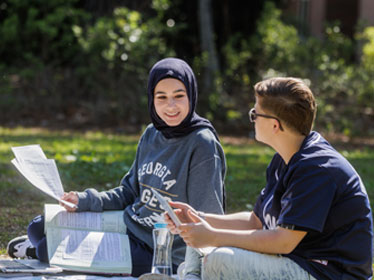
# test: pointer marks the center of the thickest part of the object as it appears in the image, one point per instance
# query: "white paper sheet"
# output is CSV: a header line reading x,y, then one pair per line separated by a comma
x,y
78,245
29,152
32,163
91,246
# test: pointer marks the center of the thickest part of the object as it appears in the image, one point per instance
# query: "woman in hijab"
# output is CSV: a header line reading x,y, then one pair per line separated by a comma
x,y
179,154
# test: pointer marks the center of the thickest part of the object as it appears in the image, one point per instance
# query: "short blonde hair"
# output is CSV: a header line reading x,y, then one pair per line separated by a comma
x,y
289,99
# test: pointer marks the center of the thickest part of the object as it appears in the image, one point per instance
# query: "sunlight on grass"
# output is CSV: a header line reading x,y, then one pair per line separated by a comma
x,y
245,176
92,159
99,160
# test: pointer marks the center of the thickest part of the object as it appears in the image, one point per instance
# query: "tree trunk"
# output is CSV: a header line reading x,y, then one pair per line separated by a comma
x,y
211,65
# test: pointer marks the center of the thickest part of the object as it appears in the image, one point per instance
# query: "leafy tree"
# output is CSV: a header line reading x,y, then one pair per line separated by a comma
x,y
38,32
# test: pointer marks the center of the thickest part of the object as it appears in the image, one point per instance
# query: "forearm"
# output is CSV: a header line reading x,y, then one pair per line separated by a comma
x,y
92,200
277,241
236,221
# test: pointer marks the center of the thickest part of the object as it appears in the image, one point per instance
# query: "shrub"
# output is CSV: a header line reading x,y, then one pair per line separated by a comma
x,y
342,87
62,65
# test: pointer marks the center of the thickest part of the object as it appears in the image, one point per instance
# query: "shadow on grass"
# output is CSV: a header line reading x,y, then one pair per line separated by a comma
x,y
100,160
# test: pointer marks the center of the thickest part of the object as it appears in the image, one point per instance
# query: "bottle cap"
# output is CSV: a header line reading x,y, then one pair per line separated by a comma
x,y
160,225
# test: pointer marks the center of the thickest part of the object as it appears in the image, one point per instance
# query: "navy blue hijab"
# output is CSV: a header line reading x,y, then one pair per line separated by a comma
x,y
177,69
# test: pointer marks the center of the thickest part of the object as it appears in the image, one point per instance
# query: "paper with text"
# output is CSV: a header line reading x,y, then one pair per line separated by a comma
x,y
87,241
109,221
32,163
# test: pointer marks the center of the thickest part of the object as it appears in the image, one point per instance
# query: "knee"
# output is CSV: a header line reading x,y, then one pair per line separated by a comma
x,y
35,230
217,261
36,224
219,256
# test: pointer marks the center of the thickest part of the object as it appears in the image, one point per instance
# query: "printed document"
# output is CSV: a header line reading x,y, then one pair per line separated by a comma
x,y
93,242
32,163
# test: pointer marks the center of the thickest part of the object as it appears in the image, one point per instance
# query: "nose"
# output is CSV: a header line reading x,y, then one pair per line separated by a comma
x,y
171,102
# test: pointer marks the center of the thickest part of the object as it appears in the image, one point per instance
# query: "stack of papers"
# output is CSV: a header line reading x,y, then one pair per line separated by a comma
x,y
32,163
27,266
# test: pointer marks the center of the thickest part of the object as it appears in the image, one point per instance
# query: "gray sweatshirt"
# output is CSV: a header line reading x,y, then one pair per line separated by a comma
x,y
189,169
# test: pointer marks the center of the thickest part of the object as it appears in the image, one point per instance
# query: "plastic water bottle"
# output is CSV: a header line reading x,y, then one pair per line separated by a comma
x,y
162,243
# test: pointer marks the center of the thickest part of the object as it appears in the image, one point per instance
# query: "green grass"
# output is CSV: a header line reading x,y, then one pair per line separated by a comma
x,y
99,160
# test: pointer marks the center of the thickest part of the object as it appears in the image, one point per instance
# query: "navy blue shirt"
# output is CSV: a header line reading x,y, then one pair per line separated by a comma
x,y
320,192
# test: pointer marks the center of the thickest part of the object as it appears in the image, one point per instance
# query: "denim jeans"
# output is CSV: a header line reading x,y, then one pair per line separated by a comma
x,y
35,232
235,263
192,262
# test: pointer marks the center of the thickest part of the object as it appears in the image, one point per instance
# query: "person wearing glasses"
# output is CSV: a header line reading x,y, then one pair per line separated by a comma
x,y
313,218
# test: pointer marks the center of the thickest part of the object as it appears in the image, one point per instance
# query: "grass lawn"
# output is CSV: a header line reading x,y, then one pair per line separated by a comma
x,y
99,160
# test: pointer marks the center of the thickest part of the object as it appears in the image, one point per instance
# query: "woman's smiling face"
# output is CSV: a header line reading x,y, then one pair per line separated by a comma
x,y
171,101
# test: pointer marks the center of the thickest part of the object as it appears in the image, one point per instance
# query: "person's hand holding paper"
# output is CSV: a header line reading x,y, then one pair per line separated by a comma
x,y
32,163
71,197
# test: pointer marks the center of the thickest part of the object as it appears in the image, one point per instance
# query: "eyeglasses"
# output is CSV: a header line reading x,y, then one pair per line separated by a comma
x,y
253,116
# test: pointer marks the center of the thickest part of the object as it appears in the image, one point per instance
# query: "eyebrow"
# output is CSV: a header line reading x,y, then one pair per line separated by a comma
x,y
175,91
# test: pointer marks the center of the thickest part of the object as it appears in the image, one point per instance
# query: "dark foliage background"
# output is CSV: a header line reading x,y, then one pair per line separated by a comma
x,y
79,64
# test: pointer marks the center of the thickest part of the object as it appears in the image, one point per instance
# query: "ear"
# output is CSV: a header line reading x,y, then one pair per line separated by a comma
x,y
276,126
